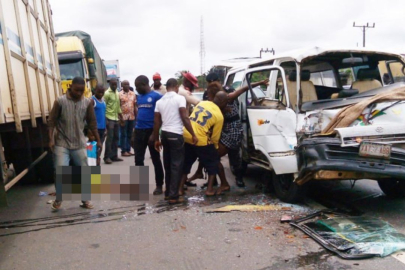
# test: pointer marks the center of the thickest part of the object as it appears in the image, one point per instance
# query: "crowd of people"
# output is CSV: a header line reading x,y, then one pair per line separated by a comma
x,y
157,117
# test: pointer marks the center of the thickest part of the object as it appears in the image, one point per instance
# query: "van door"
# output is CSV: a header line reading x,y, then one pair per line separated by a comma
x,y
271,120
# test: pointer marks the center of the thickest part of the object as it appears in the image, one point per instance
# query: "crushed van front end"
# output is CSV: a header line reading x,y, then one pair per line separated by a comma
x,y
324,158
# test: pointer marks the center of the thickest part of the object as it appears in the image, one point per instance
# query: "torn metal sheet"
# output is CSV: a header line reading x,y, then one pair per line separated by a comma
x,y
351,237
249,208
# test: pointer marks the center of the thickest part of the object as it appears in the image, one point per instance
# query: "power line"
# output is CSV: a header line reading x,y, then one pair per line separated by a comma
x,y
202,48
364,30
266,51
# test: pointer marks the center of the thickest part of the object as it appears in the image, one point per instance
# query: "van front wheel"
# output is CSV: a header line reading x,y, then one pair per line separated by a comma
x,y
285,188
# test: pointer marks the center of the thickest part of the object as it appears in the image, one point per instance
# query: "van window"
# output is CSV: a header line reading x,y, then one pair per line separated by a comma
x,y
346,77
323,78
235,80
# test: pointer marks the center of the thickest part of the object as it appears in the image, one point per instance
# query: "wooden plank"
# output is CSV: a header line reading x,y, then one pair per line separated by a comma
x,y
25,65
17,56
50,103
51,56
41,98
3,196
7,55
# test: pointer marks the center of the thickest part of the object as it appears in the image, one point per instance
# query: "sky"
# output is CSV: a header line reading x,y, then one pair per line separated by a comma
x,y
149,36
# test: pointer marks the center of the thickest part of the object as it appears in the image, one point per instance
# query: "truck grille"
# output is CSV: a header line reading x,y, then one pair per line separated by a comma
x,y
399,138
336,152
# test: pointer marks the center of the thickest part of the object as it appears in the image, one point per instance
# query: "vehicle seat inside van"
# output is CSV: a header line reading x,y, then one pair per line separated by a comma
x,y
307,87
366,80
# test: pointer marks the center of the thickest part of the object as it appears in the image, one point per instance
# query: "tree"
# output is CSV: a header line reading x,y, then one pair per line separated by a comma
x,y
179,76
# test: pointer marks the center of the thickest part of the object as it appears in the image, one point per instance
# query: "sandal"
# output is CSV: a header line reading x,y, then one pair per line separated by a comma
x,y
87,205
175,201
190,184
56,205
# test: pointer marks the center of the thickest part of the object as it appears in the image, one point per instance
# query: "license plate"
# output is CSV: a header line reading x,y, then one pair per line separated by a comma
x,y
375,150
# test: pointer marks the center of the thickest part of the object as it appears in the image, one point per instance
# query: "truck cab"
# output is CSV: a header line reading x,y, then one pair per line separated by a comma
x,y
286,124
72,62
78,56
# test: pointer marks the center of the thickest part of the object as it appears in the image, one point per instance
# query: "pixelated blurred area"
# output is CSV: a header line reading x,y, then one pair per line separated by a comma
x,y
95,183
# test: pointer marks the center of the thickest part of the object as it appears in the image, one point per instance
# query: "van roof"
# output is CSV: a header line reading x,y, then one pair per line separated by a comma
x,y
300,54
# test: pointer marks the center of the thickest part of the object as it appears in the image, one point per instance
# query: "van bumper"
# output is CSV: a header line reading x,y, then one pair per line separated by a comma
x,y
325,159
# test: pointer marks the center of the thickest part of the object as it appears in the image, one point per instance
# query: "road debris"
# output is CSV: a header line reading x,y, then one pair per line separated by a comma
x,y
249,208
285,218
351,237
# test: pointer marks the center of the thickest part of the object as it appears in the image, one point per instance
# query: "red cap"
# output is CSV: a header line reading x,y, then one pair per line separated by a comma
x,y
191,78
156,76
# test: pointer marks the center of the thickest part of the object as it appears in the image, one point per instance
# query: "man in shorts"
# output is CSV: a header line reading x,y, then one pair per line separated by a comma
x,y
206,116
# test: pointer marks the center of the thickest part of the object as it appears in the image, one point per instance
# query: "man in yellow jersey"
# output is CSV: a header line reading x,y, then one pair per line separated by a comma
x,y
207,121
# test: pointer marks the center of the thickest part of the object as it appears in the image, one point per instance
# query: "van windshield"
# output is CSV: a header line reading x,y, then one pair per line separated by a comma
x,y
70,69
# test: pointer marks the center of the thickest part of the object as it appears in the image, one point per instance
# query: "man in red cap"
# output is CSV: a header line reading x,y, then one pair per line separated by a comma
x,y
189,83
157,86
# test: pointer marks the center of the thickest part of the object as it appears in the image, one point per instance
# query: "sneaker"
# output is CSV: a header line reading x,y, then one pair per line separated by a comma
x,y
87,205
56,205
158,191
107,161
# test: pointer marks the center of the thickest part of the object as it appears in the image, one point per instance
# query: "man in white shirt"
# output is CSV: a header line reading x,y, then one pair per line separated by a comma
x,y
171,116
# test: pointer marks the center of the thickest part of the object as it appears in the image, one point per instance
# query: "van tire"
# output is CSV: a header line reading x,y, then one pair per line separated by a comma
x,y
286,189
393,188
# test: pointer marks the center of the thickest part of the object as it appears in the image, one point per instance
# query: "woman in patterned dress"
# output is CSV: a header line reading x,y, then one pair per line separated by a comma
x,y
231,136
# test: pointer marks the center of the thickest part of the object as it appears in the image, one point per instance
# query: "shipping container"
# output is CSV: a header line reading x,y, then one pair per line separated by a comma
x,y
29,85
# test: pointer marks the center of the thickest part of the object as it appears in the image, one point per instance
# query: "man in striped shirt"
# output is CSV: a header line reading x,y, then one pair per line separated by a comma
x,y
68,116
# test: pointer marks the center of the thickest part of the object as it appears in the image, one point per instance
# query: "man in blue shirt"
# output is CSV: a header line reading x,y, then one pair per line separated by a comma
x,y
144,129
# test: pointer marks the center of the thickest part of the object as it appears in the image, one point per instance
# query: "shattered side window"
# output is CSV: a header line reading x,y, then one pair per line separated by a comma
x,y
328,78
323,78
316,78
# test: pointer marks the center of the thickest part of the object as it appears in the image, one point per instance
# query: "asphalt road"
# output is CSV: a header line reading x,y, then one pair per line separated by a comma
x,y
153,235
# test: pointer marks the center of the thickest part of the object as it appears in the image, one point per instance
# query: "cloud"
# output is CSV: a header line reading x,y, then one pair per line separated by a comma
x,y
149,36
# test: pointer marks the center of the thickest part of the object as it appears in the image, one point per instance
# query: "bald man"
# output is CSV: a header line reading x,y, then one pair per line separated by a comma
x,y
128,108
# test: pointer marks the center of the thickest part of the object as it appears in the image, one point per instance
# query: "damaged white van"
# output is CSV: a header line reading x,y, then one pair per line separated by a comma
x,y
325,115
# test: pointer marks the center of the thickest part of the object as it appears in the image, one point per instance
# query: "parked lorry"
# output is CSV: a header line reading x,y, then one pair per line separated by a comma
x,y
290,127
78,57
29,84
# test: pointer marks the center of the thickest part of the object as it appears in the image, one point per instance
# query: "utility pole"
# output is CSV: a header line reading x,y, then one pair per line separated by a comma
x,y
266,51
364,30
202,48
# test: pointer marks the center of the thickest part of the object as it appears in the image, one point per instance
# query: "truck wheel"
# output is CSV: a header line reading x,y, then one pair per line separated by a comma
x,y
285,188
392,188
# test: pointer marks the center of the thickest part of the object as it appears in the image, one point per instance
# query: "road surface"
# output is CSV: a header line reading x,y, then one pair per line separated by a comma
x,y
153,235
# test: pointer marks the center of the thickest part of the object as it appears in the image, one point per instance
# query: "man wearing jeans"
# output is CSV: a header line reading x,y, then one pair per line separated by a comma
x,y
113,116
144,129
68,116
171,116
128,109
